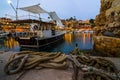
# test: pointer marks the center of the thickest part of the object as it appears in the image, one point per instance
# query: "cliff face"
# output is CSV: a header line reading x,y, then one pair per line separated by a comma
x,y
108,21
108,24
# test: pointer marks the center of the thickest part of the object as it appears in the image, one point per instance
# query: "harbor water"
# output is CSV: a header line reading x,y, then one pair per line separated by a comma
x,y
84,41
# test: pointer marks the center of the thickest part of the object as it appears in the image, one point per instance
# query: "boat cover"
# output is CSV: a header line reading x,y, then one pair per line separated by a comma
x,y
54,16
36,9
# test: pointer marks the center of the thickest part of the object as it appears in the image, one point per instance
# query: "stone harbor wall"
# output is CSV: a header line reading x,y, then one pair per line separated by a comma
x,y
107,28
107,45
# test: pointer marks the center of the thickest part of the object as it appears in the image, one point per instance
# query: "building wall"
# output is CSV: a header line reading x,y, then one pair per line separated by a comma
x,y
4,20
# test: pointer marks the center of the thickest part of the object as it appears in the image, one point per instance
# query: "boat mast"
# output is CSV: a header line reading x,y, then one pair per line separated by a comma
x,y
40,28
15,9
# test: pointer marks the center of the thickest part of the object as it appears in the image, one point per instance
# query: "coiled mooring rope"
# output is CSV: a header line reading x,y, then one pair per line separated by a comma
x,y
27,60
90,72
93,68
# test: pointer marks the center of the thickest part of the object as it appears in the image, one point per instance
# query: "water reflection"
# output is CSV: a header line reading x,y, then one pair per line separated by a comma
x,y
1,44
81,38
9,44
86,38
84,41
68,38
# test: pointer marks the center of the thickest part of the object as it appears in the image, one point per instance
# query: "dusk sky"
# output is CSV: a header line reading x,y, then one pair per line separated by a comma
x,y
81,9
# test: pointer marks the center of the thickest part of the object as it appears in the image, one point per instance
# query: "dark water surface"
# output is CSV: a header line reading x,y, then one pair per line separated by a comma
x,y
84,41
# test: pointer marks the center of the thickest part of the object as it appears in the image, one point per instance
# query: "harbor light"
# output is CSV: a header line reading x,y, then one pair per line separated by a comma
x,y
9,1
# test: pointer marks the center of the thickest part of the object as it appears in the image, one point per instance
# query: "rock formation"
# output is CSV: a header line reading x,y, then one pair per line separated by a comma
x,y
108,21
107,30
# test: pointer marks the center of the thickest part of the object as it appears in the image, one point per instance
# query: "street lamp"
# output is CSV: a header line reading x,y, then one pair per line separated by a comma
x,y
15,9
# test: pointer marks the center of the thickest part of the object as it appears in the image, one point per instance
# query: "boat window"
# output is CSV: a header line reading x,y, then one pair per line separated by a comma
x,y
35,27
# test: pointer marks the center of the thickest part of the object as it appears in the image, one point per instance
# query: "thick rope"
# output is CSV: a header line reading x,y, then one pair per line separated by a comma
x,y
27,60
90,72
93,68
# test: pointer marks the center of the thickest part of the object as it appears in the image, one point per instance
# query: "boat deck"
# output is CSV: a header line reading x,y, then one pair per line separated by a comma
x,y
47,34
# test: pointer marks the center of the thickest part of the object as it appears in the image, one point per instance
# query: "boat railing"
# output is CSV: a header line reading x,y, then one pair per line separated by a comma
x,y
39,34
27,34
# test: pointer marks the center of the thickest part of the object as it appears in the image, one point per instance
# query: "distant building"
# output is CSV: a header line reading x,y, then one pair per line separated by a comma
x,y
0,26
64,22
86,22
5,20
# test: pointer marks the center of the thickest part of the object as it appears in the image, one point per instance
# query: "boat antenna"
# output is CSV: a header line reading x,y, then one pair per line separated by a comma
x,y
17,9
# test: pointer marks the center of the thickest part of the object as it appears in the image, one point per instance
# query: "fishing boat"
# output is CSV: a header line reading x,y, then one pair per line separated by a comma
x,y
40,34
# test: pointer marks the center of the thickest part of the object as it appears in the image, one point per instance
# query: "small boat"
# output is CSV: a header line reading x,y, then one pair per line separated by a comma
x,y
40,39
41,34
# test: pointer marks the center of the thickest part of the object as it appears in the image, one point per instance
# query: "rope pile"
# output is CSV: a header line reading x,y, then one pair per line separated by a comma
x,y
99,68
99,63
27,60
91,72
96,76
92,68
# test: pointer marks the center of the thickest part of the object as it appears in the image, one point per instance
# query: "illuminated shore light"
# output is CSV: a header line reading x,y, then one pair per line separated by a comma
x,y
9,1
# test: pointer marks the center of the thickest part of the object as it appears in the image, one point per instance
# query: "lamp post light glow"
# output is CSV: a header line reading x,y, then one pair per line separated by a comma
x,y
9,1
15,9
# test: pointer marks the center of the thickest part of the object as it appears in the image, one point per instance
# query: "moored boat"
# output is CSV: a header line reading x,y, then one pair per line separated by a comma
x,y
40,33
40,41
